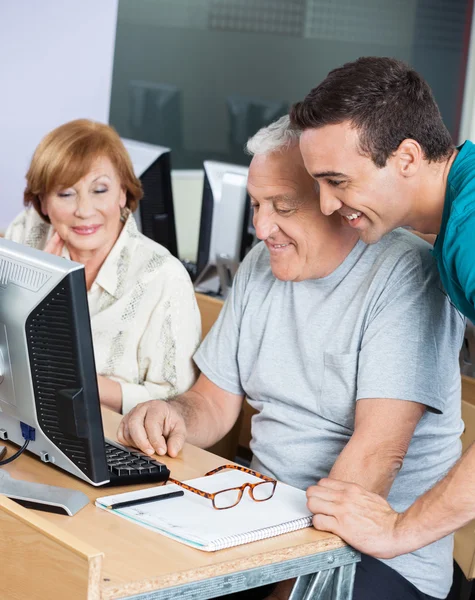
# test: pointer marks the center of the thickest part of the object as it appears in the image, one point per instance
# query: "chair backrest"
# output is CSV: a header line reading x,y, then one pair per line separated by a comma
x,y
468,411
209,309
464,540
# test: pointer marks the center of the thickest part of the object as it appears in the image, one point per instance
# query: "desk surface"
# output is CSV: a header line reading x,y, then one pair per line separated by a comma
x,y
135,560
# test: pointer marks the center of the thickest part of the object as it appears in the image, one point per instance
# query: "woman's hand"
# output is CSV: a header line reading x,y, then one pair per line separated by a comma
x,y
55,245
110,393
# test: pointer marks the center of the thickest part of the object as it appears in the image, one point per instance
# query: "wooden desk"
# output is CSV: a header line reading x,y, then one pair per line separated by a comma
x,y
95,555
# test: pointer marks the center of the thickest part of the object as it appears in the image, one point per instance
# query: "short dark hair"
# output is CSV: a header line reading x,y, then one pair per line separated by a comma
x,y
385,100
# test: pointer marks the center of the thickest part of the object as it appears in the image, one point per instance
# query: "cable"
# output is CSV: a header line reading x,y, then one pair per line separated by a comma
x,y
16,455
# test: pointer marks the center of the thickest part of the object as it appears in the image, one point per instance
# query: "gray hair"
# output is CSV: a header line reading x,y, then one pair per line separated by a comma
x,y
279,135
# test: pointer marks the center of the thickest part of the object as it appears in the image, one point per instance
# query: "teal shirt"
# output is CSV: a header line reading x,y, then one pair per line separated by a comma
x,y
455,245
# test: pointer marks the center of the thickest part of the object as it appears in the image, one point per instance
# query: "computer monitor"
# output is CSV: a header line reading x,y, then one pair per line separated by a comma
x,y
226,232
48,382
247,115
155,213
155,113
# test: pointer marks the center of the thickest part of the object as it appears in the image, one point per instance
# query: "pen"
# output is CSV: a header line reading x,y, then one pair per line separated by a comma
x,y
145,500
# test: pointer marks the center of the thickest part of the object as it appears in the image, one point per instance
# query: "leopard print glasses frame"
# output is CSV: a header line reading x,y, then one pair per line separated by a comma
x,y
259,491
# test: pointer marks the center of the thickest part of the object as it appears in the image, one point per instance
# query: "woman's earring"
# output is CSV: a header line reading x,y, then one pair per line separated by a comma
x,y
124,213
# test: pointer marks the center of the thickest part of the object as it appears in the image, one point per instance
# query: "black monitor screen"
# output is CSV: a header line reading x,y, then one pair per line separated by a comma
x,y
206,224
157,214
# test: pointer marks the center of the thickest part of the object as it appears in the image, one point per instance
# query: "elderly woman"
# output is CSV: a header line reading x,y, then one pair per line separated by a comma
x,y
80,194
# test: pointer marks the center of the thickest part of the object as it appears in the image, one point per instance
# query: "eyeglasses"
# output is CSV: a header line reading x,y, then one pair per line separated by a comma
x,y
259,491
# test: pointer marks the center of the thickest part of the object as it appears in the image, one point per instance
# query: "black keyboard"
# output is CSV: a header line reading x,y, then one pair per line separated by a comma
x,y
128,467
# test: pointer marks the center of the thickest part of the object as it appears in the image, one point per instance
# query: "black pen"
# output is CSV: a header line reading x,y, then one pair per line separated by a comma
x,y
144,500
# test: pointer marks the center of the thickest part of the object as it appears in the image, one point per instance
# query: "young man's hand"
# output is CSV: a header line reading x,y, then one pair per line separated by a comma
x,y
363,519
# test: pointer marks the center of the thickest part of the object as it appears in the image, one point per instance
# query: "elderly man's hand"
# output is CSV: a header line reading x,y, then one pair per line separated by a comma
x,y
153,426
363,519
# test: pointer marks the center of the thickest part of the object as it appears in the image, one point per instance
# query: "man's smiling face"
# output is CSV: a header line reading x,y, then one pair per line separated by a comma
x,y
287,215
371,200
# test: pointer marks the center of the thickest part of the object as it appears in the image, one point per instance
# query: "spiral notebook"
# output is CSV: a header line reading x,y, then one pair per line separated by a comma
x,y
192,520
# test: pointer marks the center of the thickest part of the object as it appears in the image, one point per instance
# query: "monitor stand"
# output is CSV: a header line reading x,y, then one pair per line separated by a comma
x,y
227,269
42,497
217,280
207,281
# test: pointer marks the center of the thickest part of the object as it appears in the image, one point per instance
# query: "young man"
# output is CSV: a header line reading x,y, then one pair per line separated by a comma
x,y
374,140
347,350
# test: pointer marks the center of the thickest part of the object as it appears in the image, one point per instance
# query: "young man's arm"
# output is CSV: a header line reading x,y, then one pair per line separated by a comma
x,y
375,453
201,416
422,331
366,521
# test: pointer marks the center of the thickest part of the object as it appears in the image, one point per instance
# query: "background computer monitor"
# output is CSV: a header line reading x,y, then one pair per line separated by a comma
x,y
155,113
225,226
47,371
247,115
155,214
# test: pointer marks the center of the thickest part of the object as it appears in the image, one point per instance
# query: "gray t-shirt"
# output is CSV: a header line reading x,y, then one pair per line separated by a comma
x,y
379,326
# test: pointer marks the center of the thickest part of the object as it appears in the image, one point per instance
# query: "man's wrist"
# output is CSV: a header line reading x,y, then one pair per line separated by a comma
x,y
192,409
181,407
403,534
175,403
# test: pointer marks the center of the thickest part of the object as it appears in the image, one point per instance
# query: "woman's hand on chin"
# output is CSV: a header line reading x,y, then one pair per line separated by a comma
x,y
55,245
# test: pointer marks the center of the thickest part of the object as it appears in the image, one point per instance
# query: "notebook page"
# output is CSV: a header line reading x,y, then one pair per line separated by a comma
x,y
193,519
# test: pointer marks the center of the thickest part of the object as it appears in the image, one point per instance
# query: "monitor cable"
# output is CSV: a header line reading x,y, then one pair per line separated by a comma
x,y
16,455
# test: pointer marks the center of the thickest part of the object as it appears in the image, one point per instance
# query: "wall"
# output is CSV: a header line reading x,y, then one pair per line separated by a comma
x,y
272,50
467,126
56,65
208,62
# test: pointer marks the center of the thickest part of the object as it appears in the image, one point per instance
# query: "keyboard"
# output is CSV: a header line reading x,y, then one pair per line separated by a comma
x,y
129,467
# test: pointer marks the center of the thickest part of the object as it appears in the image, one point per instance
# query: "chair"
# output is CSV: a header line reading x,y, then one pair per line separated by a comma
x,y
209,309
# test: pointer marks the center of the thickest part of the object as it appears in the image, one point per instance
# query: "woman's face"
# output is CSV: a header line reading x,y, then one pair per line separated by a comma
x,y
87,214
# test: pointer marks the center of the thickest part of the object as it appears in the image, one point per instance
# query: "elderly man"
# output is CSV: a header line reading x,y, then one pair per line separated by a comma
x,y
348,351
